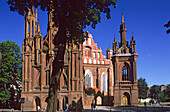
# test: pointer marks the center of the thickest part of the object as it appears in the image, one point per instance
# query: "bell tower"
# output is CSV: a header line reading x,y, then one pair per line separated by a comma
x,y
125,72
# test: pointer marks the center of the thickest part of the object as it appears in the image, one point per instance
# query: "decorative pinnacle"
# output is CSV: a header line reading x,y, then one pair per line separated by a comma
x,y
132,36
123,18
38,28
114,39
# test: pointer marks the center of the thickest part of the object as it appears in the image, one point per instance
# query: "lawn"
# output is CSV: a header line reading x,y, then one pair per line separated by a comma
x,y
142,103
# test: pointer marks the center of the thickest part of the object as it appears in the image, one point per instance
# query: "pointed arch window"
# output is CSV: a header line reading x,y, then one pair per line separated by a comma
x,y
104,82
47,77
124,73
88,79
39,57
65,55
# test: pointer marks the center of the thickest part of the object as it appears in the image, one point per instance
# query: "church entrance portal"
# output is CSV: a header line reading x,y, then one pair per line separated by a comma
x,y
126,99
99,100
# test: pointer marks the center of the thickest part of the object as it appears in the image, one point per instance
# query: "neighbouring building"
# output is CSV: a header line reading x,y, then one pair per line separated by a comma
x,y
114,77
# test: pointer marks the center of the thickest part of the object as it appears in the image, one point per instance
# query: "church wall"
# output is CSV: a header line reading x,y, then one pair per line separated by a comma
x,y
38,54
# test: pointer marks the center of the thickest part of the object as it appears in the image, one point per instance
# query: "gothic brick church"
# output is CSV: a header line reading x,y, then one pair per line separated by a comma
x,y
113,77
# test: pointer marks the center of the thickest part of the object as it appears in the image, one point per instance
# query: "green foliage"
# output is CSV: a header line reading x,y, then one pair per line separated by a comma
x,y
162,96
154,91
4,95
10,69
89,91
167,26
167,90
143,88
70,15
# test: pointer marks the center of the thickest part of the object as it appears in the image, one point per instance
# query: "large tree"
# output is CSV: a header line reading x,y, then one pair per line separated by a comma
x,y
71,17
143,88
10,72
167,90
154,91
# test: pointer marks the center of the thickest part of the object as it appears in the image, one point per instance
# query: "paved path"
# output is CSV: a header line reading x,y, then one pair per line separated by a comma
x,y
152,108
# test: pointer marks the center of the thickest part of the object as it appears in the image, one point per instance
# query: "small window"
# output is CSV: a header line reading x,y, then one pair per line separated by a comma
x,y
103,62
90,61
94,55
94,61
98,61
85,60
87,52
89,40
98,55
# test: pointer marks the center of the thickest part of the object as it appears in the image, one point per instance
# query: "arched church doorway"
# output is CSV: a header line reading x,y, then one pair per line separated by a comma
x,y
99,100
38,103
65,101
126,99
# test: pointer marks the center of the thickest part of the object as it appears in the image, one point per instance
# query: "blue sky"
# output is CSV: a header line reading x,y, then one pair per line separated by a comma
x,y
146,18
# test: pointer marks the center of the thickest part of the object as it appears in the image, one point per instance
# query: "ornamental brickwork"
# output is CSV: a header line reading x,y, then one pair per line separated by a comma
x,y
113,77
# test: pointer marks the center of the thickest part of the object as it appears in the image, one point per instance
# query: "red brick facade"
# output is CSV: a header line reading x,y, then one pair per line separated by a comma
x,y
85,66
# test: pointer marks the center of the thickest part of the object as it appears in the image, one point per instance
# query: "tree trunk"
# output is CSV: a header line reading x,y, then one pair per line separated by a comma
x,y
58,64
60,40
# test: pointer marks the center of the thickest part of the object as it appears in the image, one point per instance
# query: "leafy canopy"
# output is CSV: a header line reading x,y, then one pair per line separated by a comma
x,y
167,90
71,16
10,68
167,26
154,91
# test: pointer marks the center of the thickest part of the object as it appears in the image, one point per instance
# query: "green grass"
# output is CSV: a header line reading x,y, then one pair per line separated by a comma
x,y
141,103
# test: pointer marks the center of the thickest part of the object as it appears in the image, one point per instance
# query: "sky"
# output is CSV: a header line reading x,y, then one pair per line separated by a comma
x,y
145,18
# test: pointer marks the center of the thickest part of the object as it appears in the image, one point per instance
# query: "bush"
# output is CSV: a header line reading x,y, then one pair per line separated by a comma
x,y
89,91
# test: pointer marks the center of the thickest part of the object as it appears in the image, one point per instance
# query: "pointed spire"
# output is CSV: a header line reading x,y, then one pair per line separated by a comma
x,y
29,11
32,10
36,13
123,19
114,39
38,30
123,32
132,37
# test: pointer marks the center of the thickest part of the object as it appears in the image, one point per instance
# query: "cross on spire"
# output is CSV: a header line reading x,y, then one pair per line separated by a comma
x,y
122,10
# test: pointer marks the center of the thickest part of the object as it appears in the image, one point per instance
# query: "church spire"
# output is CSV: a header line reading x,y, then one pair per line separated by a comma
x,y
123,32
123,18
